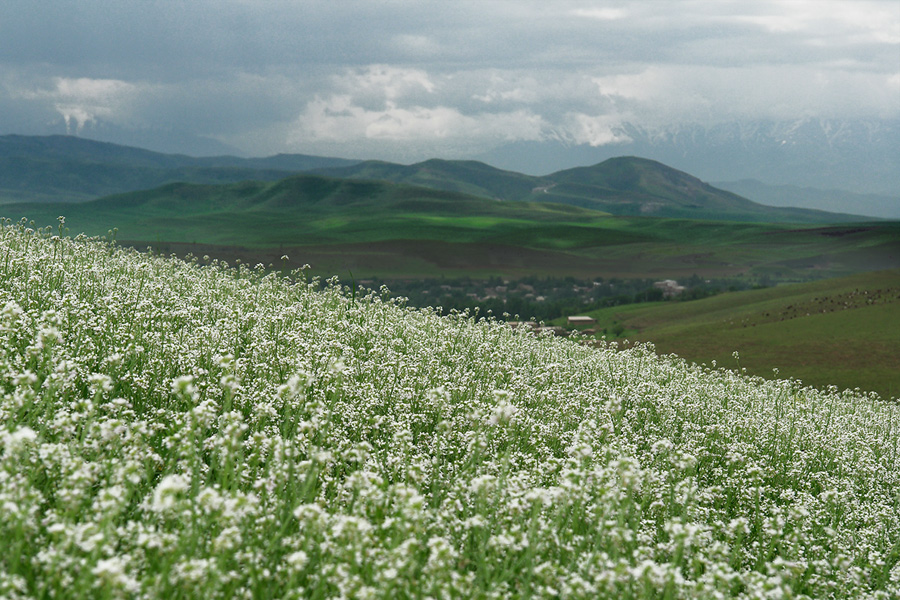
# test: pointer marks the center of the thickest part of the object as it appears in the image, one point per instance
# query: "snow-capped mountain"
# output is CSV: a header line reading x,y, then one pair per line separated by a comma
x,y
861,156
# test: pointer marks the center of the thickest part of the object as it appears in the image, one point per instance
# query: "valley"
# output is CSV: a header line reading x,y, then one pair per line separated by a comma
x,y
627,219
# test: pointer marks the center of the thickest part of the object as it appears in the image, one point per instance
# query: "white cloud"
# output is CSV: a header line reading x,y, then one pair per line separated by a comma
x,y
393,73
718,94
385,81
337,119
503,88
84,100
601,14
838,21
393,104
93,90
594,130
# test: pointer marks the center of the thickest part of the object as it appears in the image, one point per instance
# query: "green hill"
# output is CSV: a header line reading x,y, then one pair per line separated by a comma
x,y
626,186
380,228
636,186
843,332
71,169
467,176
312,210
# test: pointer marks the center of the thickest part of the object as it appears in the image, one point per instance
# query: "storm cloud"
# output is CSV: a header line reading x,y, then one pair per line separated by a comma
x,y
405,80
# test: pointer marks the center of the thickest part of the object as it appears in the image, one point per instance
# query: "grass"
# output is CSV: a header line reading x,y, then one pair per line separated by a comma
x,y
171,430
621,186
842,332
313,218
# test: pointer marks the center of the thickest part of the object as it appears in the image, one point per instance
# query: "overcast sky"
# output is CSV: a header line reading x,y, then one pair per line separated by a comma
x,y
405,80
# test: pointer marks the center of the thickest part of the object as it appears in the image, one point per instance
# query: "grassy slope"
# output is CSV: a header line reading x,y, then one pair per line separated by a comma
x,y
843,332
622,186
333,223
68,168
470,177
307,209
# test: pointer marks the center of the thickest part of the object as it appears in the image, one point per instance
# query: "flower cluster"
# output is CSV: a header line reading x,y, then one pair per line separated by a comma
x,y
176,430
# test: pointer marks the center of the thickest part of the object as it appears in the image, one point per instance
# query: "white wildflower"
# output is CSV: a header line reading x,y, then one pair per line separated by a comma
x,y
504,411
18,439
185,388
167,492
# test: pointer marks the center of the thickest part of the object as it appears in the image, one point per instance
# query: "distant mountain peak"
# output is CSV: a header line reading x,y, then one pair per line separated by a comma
x,y
856,155
71,169
622,185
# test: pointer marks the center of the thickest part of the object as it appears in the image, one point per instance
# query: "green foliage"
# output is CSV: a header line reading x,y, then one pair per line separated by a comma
x,y
384,229
71,169
626,186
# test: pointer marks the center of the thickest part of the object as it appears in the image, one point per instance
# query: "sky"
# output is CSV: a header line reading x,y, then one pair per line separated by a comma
x,y
407,80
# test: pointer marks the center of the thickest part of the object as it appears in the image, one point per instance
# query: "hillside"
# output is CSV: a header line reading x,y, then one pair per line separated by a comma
x,y
635,186
880,206
70,169
470,177
626,186
175,431
311,210
843,332
378,228
856,155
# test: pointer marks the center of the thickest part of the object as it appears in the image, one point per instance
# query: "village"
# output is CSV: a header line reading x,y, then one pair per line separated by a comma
x,y
530,301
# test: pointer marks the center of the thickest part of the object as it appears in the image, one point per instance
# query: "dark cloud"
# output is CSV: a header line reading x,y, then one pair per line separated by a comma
x,y
411,78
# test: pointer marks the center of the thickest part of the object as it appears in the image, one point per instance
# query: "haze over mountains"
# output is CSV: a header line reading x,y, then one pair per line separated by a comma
x,y
860,156
874,205
622,217
61,168
65,169
842,165
618,186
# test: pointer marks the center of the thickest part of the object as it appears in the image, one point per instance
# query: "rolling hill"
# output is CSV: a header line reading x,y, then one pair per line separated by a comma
x,y
312,210
880,206
379,228
841,331
70,169
627,186
468,176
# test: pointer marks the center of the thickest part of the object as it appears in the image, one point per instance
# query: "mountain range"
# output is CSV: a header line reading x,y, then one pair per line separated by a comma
x,y
873,205
855,155
625,186
61,168
67,169
624,217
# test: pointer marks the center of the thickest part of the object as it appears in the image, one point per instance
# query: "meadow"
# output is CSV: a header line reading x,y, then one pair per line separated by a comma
x,y
842,332
391,230
176,430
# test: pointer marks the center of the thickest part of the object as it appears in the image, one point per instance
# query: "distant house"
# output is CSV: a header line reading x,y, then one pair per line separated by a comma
x,y
669,287
556,330
581,320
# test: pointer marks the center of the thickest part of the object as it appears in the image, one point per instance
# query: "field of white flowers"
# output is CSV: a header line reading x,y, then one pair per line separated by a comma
x,y
171,430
